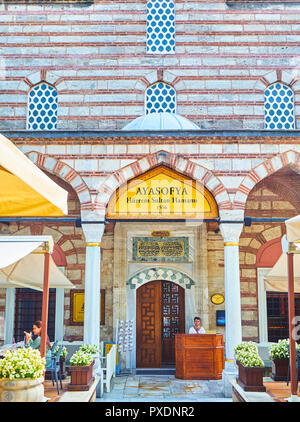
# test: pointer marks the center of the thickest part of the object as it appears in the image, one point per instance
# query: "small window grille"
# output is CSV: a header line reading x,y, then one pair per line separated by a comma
x,y
160,97
42,107
279,107
160,27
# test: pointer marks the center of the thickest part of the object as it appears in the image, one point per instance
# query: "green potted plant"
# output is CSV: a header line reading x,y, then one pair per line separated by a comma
x,y
81,371
94,350
250,367
279,354
245,346
21,376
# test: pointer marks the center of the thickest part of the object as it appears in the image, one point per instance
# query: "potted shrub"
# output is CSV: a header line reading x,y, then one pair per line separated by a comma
x,y
245,346
250,367
93,350
279,354
21,376
81,370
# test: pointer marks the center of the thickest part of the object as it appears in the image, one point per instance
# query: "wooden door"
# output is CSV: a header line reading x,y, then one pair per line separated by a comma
x,y
148,325
173,319
160,315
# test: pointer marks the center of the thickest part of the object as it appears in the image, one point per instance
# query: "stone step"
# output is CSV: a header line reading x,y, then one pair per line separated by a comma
x,y
155,371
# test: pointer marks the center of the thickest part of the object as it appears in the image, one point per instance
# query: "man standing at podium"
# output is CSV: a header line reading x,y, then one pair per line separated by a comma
x,y
196,328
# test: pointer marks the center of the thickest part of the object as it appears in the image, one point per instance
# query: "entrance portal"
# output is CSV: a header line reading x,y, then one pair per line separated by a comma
x,y
160,315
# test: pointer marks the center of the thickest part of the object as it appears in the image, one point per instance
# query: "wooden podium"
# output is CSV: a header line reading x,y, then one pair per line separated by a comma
x,y
199,356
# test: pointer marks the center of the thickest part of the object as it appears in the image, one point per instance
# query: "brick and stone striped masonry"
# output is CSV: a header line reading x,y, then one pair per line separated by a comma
x,y
95,56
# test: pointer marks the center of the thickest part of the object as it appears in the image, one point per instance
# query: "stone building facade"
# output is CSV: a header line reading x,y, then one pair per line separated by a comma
x,y
94,61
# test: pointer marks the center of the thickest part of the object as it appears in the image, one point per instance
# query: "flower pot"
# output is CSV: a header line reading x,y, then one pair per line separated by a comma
x,y
251,378
280,369
81,377
21,390
97,364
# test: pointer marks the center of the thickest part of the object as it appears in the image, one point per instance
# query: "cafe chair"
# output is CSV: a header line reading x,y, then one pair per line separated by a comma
x,y
55,366
297,366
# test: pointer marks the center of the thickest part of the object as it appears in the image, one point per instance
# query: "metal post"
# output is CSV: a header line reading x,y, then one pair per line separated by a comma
x,y
45,305
291,306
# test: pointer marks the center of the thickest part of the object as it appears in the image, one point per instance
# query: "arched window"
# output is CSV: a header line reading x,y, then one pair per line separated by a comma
x,y
42,107
160,27
279,107
160,97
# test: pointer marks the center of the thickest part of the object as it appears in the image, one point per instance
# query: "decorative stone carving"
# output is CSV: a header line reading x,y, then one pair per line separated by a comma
x,y
155,273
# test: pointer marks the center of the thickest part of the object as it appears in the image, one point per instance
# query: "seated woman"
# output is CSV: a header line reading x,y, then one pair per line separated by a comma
x,y
35,344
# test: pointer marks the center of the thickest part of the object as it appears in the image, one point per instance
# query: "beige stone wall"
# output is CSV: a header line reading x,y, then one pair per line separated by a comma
x,y
107,260
205,266
215,264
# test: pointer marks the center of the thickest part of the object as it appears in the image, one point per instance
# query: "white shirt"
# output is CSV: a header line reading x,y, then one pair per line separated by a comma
x,y
193,331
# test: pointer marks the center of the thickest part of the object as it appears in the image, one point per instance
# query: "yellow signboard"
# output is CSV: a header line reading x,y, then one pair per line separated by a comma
x,y
77,307
107,349
162,193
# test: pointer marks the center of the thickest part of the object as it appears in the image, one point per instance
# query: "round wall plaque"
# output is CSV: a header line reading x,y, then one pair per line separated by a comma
x,y
217,298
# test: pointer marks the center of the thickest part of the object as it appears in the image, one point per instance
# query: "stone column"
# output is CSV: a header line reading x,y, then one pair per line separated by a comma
x,y
9,319
93,235
233,328
59,313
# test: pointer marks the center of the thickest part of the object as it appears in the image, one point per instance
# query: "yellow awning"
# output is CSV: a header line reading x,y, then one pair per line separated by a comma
x,y
25,191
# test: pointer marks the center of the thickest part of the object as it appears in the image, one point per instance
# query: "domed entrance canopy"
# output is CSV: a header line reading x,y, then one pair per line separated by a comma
x,y
161,121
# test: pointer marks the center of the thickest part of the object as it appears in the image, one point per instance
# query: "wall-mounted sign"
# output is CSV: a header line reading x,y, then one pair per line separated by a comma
x,y
220,318
125,335
77,307
162,193
217,298
163,250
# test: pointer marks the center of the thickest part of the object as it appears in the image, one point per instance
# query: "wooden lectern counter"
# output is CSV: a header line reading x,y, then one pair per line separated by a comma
x,y
199,356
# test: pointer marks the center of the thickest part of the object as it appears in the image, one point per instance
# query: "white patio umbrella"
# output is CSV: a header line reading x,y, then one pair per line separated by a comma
x,y
293,229
31,265
27,270
277,279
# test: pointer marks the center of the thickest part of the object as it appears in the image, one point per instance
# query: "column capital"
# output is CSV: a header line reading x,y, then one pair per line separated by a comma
x,y
231,233
232,227
231,215
93,233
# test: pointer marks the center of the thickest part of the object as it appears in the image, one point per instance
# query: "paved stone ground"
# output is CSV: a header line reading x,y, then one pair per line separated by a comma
x,y
163,388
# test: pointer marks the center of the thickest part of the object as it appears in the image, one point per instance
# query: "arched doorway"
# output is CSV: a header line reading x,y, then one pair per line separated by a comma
x,y
160,315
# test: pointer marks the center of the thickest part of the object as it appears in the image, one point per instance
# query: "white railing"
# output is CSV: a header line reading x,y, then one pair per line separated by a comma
x,y
108,368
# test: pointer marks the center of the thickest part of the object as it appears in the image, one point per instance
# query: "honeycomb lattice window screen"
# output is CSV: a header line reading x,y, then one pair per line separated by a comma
x,y
279,107
160,97
42,107
160,27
